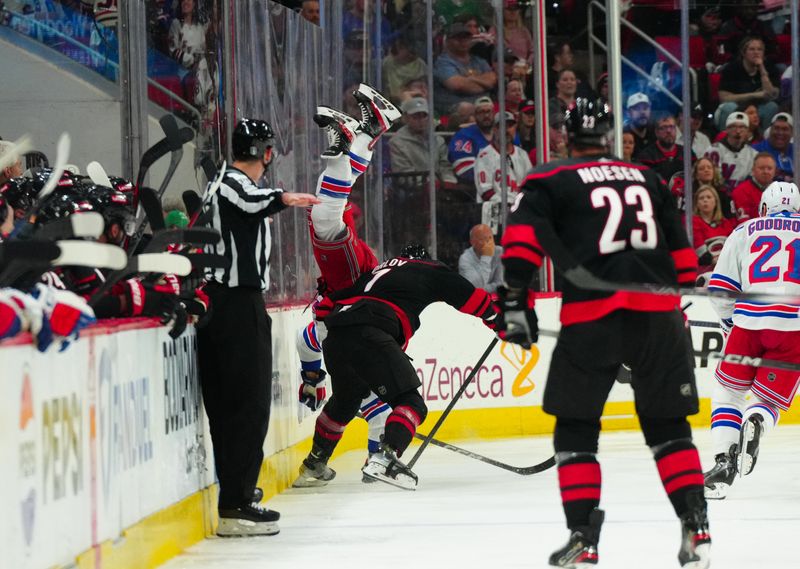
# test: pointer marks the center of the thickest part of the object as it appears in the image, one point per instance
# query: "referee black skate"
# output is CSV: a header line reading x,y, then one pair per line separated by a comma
x,y
597,216
235,348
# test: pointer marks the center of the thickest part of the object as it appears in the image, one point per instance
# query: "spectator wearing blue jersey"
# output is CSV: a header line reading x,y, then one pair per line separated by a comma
x,y
779,144
467,142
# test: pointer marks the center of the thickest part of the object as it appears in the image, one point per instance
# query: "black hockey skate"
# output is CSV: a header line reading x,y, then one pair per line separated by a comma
x,y
314,472
385,466
247,520
580,552
749,439
719,479
695,552
377,113
340,128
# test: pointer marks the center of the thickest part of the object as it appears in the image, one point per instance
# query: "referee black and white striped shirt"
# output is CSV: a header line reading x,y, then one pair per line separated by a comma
x,y
240,215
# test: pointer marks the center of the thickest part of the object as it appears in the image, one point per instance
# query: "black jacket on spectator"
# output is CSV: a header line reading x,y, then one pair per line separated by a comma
x,y
736,80
666,164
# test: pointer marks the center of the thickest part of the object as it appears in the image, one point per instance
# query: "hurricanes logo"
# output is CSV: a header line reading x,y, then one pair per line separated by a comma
x,y
523,361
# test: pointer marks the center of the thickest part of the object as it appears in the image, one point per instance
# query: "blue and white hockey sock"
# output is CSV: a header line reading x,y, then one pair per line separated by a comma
x,y
727,406
375,413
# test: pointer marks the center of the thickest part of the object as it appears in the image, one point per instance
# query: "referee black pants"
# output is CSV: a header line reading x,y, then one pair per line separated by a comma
x,y
235,364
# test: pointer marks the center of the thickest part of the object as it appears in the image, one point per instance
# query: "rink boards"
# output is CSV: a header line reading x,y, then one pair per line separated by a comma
x,y
108,460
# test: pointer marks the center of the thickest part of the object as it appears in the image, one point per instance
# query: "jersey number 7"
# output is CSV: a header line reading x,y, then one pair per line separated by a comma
x,y
636,195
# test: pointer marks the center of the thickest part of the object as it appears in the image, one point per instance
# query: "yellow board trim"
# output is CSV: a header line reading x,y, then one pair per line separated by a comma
x,y
165,534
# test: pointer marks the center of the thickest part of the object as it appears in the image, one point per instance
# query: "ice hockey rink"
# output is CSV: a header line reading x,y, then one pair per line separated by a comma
x,y
467,513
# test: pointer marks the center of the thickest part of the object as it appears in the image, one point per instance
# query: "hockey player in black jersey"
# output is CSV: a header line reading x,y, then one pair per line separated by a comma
x,y
369,326
594,214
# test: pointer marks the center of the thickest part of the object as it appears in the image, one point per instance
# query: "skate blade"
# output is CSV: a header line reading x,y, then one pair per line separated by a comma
x,y
703,552
718,492
746,461
309,483
229,527
406,483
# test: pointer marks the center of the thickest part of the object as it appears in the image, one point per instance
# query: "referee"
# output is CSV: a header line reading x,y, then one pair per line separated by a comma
x,y
235,348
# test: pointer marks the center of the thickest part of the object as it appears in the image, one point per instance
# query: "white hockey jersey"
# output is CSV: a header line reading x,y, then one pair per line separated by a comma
x,y
761,255
735,166
488,176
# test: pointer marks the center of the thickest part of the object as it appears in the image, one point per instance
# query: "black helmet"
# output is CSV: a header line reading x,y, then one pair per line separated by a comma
x,y
39,177
251,138
62,203
114,206
415,251
19,193
588,122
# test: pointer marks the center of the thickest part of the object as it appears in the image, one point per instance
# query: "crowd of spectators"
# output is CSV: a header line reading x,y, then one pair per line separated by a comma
x,y
741,116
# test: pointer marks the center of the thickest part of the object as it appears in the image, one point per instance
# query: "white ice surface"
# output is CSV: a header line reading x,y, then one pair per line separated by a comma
x,y
469,514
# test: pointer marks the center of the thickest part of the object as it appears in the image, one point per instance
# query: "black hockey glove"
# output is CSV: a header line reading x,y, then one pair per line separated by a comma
x,y
517,322
142,299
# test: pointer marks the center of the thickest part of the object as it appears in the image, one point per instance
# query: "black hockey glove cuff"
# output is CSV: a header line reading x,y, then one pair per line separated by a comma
x,y
517,322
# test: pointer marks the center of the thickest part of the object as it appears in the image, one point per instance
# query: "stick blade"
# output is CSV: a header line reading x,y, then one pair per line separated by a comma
x,y
30,252
62,155
208,260
164,263
151,205
89,254
192,201
98,174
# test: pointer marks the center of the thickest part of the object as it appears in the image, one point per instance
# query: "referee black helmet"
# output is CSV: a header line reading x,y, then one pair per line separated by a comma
x,y
251,138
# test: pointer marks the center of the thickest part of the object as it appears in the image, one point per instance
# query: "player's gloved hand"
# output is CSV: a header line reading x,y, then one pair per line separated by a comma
x,y
145,300
32,317
66,312
179,320
198,306
322,308
726,324
313,389
517,322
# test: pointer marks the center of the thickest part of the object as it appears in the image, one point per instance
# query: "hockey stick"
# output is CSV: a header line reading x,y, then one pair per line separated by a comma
x,y
28,252
212,189
71,254
193,235
153,216
523,470
177,137
88,224
62,155
21,146
163,263
738,359
582,278
192,201
452,403
207,260
98,174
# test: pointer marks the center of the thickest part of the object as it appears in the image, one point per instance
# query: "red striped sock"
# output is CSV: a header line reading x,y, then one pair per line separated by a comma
x,y
679,466
580,481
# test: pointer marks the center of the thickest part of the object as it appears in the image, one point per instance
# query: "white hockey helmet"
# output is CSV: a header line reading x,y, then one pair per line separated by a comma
x,y
779,196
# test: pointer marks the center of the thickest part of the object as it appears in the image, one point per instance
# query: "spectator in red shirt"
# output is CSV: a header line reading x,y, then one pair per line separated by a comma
x,y
747,195
709,227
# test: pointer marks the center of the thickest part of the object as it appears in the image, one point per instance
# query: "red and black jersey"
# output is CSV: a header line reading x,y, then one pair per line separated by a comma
x,y
407,287
616,219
